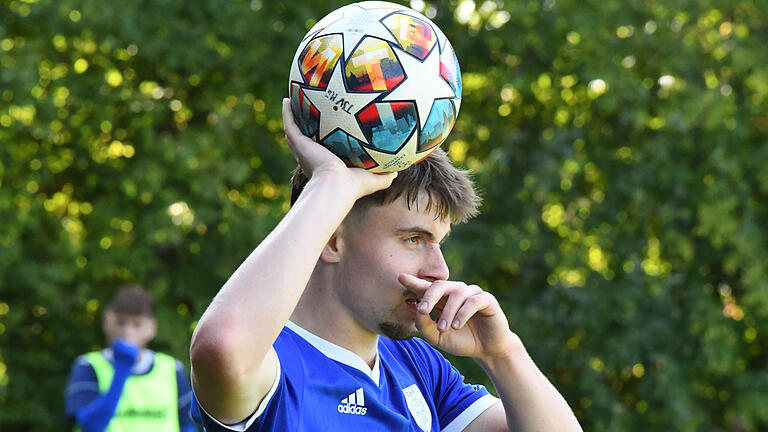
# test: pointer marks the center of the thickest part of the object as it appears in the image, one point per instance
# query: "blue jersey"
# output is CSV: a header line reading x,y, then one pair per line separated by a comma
x,y
321,386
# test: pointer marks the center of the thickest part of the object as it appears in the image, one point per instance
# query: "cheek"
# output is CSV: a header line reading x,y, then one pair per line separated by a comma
x,y
115,329
148,330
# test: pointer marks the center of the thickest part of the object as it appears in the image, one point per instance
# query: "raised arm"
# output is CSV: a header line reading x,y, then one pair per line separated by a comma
x,y
233,365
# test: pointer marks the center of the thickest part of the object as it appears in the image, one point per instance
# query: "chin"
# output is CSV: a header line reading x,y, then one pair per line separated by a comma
x,y
398,331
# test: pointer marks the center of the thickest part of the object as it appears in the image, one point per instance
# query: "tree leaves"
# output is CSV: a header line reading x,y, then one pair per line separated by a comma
x,y
619,147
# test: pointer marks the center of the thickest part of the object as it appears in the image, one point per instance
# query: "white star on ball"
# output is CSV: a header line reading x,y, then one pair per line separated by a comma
x,y
338,108
398,161
423,83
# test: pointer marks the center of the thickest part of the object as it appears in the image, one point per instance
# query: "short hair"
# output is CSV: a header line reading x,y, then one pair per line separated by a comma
x,y
132,299
450,190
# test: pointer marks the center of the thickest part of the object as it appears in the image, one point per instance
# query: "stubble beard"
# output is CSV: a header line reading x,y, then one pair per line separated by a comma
x,y
397,331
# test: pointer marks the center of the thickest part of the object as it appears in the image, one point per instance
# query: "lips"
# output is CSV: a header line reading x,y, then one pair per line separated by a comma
x,y
412,304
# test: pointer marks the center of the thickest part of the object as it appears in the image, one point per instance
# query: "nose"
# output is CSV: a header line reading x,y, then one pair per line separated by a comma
x,y
126,333
434,267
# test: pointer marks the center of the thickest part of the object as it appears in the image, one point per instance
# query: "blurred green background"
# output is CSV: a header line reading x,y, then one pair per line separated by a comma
x,y
620,146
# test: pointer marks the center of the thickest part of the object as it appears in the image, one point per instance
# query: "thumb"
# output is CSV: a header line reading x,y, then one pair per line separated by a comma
x,y
376,181
387,178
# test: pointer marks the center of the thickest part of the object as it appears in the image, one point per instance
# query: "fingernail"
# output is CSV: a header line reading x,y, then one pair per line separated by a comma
x,y
423,307
442,325
455,324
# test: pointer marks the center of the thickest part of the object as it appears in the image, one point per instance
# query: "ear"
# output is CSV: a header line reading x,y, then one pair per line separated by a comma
x,y
153,328
333,248
105,320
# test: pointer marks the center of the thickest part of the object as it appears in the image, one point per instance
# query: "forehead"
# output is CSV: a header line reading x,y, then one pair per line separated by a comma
x,y
398,214
122,316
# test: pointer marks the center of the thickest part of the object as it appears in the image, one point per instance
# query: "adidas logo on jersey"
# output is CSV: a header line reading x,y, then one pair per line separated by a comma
x,y
354,403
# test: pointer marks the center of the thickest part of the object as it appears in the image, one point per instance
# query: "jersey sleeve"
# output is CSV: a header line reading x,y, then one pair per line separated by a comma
x,y
82,388
184,391
251,424
457,402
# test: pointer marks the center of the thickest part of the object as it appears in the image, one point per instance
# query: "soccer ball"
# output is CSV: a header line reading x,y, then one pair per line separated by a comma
x,y
376,83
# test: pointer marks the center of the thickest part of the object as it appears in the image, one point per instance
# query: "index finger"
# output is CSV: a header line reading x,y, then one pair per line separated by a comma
x,y
417,285
429,292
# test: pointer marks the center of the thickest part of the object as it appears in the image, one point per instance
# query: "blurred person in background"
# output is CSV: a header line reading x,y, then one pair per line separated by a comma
x,y
128,387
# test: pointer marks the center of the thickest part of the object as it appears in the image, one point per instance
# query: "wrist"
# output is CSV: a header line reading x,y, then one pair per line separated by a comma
x,y
512,352
124,363
340,184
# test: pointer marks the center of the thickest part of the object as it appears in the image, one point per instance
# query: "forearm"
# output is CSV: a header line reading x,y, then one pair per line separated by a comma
x,y
95,416
531,402
264,290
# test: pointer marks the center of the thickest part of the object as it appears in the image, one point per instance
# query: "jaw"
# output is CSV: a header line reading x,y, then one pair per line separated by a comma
x,y
401,323
398,331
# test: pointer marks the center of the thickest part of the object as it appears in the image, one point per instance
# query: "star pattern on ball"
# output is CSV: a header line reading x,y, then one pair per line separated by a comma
x,y
356,24
335,99
423,84
399,160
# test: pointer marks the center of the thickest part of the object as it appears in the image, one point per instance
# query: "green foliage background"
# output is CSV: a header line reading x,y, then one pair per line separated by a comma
x,y
620,147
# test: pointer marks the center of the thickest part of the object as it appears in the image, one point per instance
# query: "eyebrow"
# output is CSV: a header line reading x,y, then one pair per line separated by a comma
x,y
423,231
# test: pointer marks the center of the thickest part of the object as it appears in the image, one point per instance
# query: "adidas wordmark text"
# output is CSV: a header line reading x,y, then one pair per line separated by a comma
x,y
354,403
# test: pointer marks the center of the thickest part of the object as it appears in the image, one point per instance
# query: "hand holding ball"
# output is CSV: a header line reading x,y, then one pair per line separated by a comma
x,y
376,83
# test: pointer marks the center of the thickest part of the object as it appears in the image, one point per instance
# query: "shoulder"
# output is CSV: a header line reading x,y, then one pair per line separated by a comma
x,y
82,360
82,365
415,349
161,361
177,364
291,348
81,370
414,357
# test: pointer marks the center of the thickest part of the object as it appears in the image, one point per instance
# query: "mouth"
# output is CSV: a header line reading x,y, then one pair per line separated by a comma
x,y
413,304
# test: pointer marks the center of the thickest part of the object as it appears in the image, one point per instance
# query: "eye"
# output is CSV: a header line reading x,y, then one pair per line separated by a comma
x,y
413,240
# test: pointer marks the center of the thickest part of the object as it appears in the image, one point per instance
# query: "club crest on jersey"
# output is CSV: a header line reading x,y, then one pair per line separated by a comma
x,y
354,403
418,407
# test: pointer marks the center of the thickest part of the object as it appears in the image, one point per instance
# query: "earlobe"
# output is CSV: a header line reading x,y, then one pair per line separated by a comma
x,y
333,248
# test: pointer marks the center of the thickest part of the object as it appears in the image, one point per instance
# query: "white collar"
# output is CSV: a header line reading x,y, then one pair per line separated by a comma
x,y
335,352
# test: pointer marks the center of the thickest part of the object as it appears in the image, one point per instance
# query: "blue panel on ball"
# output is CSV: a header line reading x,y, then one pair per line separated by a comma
x,y
387,125
438,125
305,114
349,149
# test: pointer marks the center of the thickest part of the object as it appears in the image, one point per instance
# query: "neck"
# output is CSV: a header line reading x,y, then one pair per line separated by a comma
x,y
320,313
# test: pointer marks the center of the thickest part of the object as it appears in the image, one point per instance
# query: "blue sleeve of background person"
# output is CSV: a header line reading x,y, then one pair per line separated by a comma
x,y
95,416
184,390
82,388
450,393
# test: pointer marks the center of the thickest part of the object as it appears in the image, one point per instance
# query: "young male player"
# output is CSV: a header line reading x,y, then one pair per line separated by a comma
x,y
314,330
128,387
